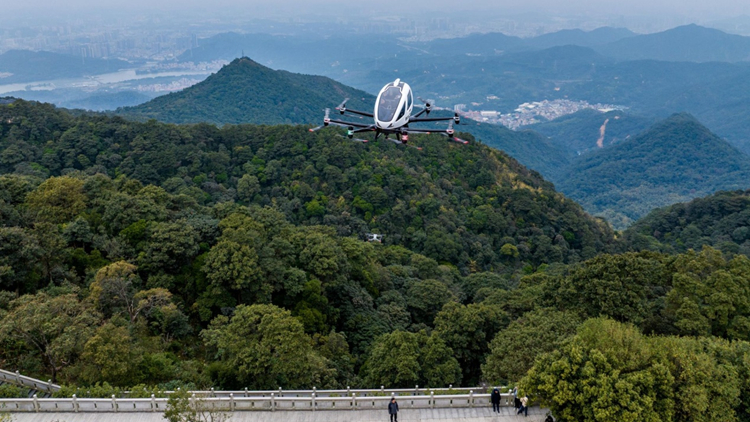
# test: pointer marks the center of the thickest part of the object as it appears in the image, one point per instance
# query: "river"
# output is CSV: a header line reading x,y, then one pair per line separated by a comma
x,y
97,80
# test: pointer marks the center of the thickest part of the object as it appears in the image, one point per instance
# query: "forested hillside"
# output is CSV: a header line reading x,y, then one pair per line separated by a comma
x,y
150,256
247,92
675,160
146,232
721,220
589,130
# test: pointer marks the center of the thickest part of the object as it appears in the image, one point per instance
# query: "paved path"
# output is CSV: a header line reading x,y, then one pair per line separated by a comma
x,y
407,415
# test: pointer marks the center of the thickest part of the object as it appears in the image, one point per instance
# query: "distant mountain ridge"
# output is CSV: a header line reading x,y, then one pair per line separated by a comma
x,y
674,161
589,130
247,92
688,43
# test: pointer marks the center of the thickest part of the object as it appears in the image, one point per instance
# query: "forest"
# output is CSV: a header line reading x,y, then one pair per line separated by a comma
x,y
146,256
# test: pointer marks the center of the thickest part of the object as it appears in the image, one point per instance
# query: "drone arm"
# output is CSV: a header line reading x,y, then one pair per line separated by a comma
x,y
359,113
346,124
364,129
430,119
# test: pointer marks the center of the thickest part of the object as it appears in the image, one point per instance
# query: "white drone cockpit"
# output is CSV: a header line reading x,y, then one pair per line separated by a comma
x,y
393,105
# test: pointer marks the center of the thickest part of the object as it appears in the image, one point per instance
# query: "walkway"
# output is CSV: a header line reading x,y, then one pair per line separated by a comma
x,y
407,415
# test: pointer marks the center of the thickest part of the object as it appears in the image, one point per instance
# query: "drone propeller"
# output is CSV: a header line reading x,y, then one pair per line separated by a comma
x,y
326,121
449,133
427,104
342,107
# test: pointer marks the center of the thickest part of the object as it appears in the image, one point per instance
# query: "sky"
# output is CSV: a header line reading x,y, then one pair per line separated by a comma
x,y
398,8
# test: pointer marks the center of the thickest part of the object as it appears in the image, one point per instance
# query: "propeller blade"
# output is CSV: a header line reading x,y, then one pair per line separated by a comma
x,y
342,106
328,112
459,140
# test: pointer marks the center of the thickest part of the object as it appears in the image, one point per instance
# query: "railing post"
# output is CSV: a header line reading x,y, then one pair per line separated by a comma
x,y
114,403
313,399
212,392
273,402
280,393
347,390
18,378
432,398
245,391
153,403
231,402
36,402
49,385
416,390
471,398
75,403
354,401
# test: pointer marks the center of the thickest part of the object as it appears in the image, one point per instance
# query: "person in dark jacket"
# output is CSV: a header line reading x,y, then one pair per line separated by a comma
x,y
495,399
393,410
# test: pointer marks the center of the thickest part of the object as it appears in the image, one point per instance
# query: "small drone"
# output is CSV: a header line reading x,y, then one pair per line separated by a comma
x,y
392,115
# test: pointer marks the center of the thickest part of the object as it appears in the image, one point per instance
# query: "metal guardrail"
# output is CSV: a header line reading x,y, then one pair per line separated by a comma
x,y
272,403
28,382
360,392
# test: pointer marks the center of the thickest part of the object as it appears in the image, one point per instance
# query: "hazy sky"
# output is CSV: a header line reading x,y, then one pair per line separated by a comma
x,y
477,15
697,8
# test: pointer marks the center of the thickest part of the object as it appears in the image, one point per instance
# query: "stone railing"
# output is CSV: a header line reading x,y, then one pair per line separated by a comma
x,y
28,382
267,401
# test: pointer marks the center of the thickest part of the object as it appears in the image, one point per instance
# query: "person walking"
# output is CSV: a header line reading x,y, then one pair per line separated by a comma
x,y
495,399
393,410
524,406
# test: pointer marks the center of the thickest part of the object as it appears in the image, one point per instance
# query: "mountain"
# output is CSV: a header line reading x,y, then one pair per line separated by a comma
x,y
589,129
317,179
247,92
33,66
309,54
528,147
107,100
488,44
721,220
673,161
579,37
690,43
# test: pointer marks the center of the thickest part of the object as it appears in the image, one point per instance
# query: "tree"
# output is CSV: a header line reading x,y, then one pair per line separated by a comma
x,y
604,373
514,349
58,199
467,330
426,298
184,406
234,266
266,347
58,327
115,289
621,287
19,254
404,359
110,356
247,187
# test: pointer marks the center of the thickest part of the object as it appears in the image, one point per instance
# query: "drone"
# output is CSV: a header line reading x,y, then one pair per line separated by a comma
x,y
392,116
